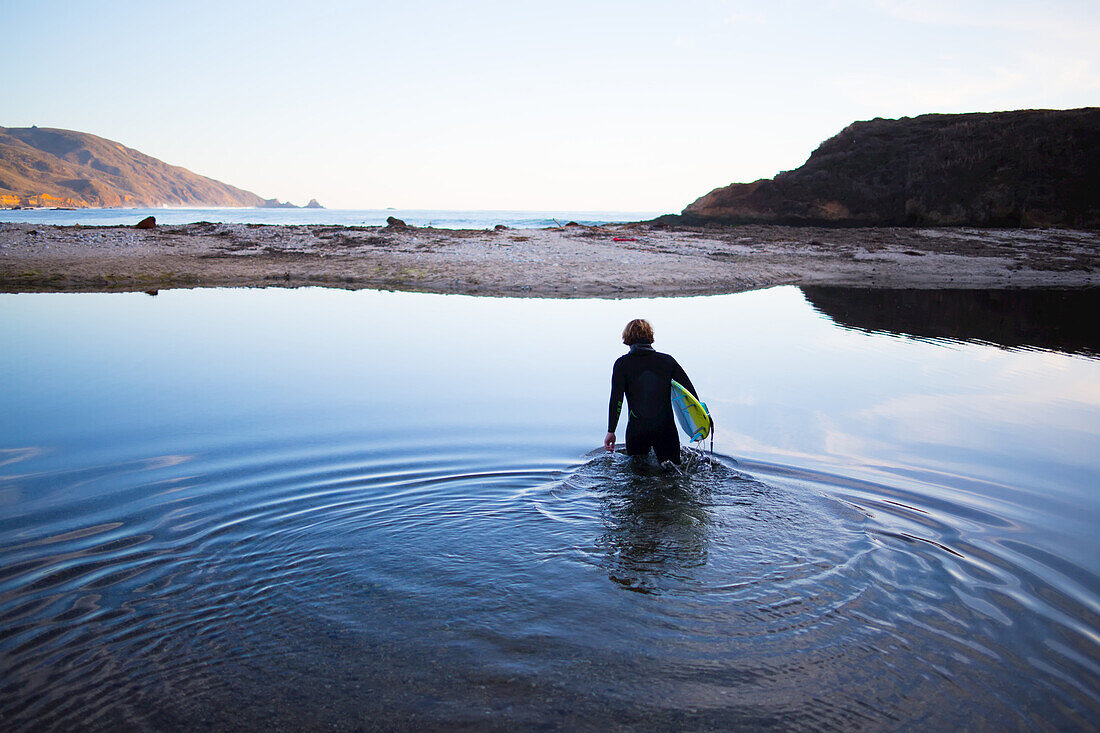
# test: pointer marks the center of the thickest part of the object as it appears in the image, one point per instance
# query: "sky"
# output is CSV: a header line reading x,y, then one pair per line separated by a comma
x,y
615,106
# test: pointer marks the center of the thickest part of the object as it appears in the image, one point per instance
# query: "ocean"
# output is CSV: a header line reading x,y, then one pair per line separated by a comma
x,y
440,218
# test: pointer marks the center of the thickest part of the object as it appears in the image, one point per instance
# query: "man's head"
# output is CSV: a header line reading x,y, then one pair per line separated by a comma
x,y
638,331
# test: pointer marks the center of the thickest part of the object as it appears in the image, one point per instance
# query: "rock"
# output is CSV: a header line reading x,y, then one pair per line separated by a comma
x,y
572,224
1022,168
149,222
500,227
314,204
395,223
277,204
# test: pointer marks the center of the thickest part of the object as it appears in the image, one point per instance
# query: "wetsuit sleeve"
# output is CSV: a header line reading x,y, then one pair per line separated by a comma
x,y
618,389
681,376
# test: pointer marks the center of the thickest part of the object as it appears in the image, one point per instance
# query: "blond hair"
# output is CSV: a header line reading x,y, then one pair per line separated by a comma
x,y
638,331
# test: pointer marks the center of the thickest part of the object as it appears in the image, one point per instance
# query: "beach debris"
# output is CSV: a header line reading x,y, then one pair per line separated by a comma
x,y
149,222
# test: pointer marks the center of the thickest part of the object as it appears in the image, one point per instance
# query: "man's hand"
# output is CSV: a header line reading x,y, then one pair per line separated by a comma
x,y
609,442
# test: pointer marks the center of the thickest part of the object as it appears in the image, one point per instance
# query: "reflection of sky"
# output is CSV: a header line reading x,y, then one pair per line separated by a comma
x,y
784,383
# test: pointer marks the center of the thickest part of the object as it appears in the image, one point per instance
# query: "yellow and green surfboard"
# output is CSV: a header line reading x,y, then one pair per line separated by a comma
x,y
693,415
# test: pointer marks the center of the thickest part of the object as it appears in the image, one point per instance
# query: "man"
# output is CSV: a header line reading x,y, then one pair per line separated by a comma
x,y
645,377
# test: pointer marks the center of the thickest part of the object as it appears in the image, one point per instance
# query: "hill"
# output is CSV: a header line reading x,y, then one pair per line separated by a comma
x,y
1022,168
49,167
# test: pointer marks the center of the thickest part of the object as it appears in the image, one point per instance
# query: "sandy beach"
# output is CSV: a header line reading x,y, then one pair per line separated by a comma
x,y
613,261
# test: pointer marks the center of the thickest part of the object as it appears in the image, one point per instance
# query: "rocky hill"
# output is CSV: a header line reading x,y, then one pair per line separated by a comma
x,y
48,167
1023,168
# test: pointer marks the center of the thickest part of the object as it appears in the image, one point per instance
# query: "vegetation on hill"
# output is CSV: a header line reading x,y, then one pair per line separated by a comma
x,y
49,167
1023,168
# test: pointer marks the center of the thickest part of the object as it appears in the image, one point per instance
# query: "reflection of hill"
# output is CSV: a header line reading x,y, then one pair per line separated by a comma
x,y
1060,320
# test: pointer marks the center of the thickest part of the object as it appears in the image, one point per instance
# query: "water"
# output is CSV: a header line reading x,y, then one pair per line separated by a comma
x,y
443,219
353,509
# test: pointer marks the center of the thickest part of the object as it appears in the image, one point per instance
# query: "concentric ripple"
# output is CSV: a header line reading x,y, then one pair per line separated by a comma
x,y
260,585
313,510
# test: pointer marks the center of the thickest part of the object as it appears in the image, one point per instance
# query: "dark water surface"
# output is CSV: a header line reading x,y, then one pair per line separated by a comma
x,y
291,509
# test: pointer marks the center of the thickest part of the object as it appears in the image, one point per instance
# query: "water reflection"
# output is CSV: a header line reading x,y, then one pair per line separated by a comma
x,y
710,529
656,527
306,509
1054,320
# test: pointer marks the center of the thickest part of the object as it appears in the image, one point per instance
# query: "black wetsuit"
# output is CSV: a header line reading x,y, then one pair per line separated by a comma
x,y
645,377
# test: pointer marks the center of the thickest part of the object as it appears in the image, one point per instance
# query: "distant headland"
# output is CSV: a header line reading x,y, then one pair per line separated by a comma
x,y
47,167
1025,168
885,204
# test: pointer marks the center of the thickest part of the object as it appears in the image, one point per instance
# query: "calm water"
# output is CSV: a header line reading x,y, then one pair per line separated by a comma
x,y
306,509
443,219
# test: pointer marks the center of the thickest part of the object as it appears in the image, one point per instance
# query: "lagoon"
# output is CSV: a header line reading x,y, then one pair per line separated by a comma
x,y
314,508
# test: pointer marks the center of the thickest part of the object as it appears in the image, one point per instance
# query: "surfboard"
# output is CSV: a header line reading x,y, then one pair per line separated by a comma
x,y
693,415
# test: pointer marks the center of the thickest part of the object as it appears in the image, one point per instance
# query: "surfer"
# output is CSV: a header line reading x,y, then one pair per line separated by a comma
x,y
645,376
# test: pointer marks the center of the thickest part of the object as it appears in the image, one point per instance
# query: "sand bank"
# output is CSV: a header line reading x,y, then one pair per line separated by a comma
x,y
615,261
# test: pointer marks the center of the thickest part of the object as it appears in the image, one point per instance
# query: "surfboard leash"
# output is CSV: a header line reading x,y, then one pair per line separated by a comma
x,y
711,436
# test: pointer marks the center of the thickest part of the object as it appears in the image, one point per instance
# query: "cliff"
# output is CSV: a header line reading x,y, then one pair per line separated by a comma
x,y
1023,168
48,167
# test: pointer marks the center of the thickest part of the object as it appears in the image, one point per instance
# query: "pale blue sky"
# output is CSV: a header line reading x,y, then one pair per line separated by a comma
x,y
633,106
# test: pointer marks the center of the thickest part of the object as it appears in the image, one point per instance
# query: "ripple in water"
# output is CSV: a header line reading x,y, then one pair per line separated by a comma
x,y
248,587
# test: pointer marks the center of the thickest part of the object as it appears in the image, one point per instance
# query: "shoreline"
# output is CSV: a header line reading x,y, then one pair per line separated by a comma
x,y
612,261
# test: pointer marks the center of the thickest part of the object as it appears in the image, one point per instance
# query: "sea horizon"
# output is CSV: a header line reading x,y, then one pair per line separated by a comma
x,y
439,218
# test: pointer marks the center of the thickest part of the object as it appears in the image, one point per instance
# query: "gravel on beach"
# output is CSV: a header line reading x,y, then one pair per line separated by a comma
x,y
612,261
